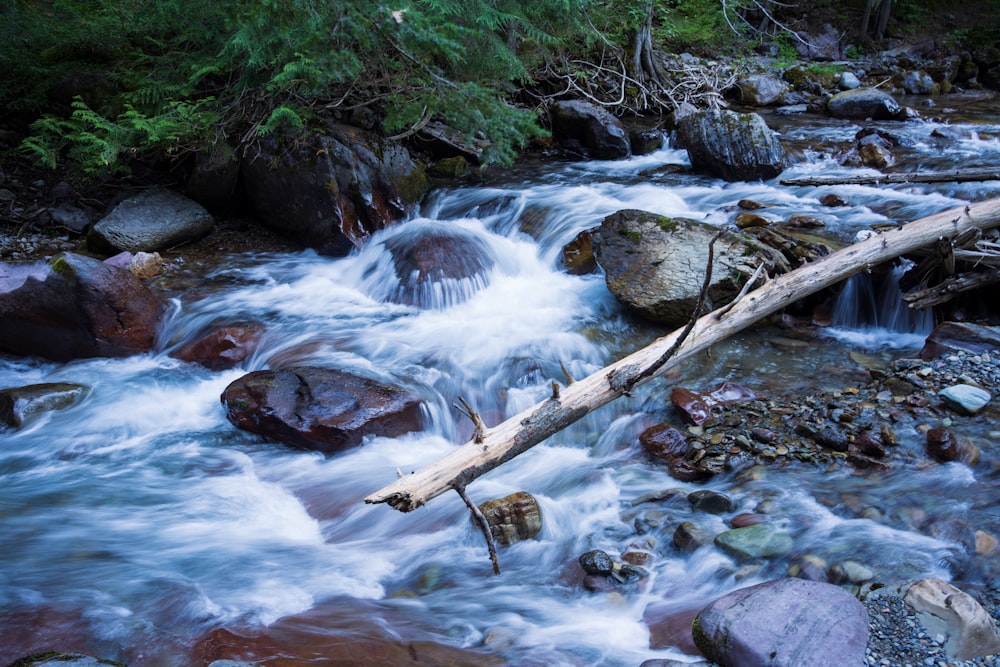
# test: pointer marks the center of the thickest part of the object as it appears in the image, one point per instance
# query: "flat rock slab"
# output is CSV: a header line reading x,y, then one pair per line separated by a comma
x,y
784,623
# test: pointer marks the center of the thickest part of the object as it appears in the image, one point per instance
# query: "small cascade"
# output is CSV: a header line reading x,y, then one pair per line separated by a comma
x,y
870,312
430,265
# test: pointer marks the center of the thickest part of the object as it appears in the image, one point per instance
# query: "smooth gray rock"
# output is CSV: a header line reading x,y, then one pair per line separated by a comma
x,y
761,89
864,103
757,541
153,220
848,81
784,623
965,399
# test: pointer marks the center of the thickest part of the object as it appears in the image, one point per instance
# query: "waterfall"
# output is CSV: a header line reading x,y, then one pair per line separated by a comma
x,y
870,311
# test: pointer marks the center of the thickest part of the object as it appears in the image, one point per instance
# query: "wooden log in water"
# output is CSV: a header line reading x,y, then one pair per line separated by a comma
x,y
951,287
519,433
957,176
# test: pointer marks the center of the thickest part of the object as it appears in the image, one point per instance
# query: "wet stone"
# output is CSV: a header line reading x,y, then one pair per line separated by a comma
x,y
757,541
597,562
513,518
689,536
965,399
710,501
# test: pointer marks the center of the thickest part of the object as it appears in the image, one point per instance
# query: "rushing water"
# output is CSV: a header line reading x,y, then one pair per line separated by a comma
x,y
139,522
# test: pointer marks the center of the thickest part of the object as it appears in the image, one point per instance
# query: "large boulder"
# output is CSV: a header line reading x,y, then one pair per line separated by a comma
x,y
655,265
73,307
153,220
961,336
784,623
589,129
330,191
322,409
865,103
732,146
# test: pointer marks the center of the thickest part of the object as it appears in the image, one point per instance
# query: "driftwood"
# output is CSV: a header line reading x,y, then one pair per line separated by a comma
x,y
519,433
958,176
951,287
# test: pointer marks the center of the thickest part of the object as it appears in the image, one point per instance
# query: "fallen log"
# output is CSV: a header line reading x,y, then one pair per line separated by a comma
x,y
951,287
958,176
519,433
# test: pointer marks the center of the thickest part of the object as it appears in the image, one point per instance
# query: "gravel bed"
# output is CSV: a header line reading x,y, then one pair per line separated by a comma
x,y
897,638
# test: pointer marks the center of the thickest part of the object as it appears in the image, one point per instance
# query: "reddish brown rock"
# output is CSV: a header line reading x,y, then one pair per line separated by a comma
x,y
697,406
322,409
222,348
664,442
942,446
74,307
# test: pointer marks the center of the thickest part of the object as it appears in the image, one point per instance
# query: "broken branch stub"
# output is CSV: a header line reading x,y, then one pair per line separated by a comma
x,y
530,427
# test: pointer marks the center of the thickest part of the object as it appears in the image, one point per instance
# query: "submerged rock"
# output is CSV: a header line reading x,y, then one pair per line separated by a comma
x,y
756,541
19,406
784,623
223,347
322,409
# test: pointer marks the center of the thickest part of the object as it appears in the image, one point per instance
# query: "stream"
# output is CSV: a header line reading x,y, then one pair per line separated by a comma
x,y
141,526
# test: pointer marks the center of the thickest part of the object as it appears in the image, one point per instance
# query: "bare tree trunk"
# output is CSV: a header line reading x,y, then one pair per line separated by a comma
x,y
523,431
883,18
867,18
957,176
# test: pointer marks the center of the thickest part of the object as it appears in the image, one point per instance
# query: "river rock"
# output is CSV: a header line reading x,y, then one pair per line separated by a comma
x,y
445,143
757,541
513,518
732,146
864,103
321,409
848,81
954,618
965,399
223,347
961,336
19,406
689,536
664,442
784,623
696,406
713,502
578,255
438,268
760,90
655,265
918,82
153,220
597,562
590,129
330,191
74,306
